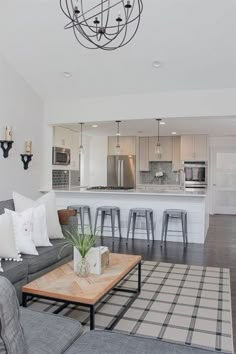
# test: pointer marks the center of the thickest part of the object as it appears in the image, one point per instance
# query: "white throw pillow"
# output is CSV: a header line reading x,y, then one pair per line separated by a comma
x,y
49,201
40,232
8,249
23,230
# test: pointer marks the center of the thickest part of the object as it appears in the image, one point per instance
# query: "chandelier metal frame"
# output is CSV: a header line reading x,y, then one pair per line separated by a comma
x,y
98,27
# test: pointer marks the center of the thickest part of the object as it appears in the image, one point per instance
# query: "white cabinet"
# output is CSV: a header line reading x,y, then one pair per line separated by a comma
x,y
176,160
194,148
187,147
166,147
62,137
69,139
127,145
144,154
201,147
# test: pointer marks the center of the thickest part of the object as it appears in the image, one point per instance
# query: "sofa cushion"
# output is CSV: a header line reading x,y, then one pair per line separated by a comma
x,y
47,256
105,342
6,204
14,271
48,334
11,334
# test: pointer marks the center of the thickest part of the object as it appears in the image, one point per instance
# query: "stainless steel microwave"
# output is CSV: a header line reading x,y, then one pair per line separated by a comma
x,y
60,156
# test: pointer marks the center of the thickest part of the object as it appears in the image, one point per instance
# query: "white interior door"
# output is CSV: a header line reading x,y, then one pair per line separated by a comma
x,y
223,181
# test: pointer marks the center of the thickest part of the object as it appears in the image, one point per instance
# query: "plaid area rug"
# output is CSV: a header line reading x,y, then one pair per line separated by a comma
x,y
178,303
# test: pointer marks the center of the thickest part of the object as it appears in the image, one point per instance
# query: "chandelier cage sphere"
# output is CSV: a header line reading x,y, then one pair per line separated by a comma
x,y
103,24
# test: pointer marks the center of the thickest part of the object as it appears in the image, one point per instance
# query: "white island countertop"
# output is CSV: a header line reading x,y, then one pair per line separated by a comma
x,y
139,191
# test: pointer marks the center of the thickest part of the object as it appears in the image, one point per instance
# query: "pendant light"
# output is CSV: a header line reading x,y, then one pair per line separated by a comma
x,y
158,148
81,148
118,137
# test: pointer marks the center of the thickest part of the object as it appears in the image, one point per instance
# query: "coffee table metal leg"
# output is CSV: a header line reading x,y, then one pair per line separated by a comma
x,y
139,277
24,300
92,317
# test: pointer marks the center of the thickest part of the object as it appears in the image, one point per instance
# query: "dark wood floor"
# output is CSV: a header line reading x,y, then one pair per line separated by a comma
x,y
218,251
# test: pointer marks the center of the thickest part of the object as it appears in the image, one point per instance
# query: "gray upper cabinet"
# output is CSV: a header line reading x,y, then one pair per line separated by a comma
x,y
144,153
166,145
194,148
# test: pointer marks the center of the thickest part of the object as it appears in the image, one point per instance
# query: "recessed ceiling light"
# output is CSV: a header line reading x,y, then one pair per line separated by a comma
x,y
94,126
173,133
156,64
162,123
67,74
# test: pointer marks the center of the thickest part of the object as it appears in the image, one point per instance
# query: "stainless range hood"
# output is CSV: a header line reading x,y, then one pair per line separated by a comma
x,y
121,171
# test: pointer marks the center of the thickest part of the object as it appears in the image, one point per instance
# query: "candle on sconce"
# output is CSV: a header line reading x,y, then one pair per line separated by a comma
x,y
8,133
28,147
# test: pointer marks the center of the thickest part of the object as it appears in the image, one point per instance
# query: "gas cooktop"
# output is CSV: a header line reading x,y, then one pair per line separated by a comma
x,y
109,188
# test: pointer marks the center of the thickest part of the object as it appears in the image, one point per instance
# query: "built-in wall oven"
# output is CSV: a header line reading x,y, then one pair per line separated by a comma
x,y
195,174
60,156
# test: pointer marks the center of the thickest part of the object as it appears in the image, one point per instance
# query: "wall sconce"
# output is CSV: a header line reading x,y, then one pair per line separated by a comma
x,y
6,144
27,156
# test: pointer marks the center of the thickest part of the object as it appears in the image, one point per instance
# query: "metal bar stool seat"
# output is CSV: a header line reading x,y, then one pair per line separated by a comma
x,y
146,213
81,210
111,211
174,214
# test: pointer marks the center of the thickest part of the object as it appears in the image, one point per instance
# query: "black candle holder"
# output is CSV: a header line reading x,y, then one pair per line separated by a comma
x,y
6,146
26,158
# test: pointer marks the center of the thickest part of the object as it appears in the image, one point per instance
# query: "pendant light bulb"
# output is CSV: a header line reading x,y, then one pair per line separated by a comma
x,y
118,149
158,148
81,148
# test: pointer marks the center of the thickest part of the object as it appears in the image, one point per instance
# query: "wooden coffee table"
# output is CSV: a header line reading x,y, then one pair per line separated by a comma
x,y
62,284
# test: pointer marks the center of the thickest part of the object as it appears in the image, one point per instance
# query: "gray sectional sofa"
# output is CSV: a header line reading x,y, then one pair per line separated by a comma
x,y
32,267
25,331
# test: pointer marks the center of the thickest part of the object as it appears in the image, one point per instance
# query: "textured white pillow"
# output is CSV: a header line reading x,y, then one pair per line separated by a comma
x,y
23,230
8,249
40,232
49,201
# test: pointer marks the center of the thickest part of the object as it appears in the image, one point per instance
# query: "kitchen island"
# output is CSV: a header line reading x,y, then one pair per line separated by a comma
x,y
195,203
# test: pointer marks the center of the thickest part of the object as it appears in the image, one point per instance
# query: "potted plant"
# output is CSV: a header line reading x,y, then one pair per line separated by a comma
x,y
83,243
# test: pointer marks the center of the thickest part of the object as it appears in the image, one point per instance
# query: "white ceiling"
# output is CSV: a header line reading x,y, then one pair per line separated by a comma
x,y
195,40
148,127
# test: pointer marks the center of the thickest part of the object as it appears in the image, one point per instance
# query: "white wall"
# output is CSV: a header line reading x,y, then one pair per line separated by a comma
x,y
98,161
22,109
195,103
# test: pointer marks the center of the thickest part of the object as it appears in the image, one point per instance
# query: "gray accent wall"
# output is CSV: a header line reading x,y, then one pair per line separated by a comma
x,y
169,177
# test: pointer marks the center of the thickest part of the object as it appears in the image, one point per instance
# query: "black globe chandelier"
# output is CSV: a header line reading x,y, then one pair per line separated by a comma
x,y
103,24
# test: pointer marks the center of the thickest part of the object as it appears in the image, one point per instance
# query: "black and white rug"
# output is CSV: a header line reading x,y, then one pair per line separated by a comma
x,y
178,303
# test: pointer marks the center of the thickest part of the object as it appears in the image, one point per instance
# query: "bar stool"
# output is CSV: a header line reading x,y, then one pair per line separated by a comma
x,y
111,211
143,213
81,210
174,214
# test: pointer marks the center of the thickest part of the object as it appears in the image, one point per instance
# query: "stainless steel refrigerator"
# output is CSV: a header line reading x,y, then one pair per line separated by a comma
x,y
121,171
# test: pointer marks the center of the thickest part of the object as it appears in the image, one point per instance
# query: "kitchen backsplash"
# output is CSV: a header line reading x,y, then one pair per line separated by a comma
x,y
169,177
60,178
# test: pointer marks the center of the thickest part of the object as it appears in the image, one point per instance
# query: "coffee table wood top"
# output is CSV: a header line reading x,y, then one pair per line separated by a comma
x,y
63,284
